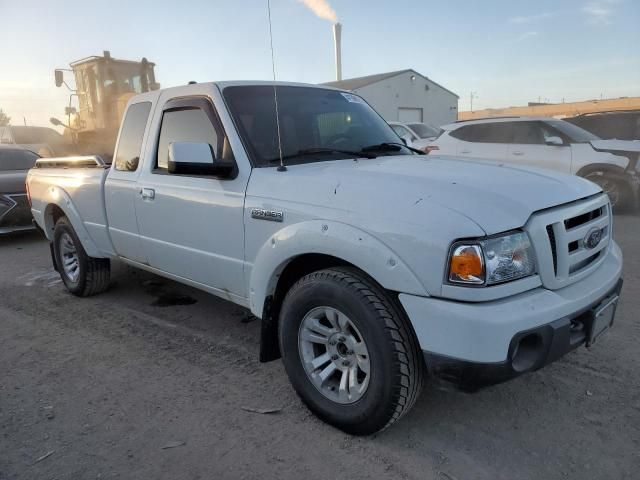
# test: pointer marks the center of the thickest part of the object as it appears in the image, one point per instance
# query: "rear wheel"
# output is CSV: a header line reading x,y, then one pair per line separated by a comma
x,y
82,275
350,351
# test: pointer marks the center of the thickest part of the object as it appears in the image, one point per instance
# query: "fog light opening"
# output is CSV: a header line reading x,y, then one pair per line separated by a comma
x,y
527,352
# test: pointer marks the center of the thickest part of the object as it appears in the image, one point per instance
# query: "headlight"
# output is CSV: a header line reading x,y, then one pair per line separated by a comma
x,y
491,261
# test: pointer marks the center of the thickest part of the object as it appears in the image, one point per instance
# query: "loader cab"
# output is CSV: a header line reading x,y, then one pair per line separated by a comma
x,y
103,86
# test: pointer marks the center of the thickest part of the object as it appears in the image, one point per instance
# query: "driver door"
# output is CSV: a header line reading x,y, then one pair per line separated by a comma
x,y
191,226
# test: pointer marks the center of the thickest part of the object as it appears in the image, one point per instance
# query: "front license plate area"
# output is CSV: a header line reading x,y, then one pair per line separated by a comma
x,y
602,318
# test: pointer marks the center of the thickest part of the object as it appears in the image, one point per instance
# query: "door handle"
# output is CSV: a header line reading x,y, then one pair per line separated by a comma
x,y
518,152
147,193
465,151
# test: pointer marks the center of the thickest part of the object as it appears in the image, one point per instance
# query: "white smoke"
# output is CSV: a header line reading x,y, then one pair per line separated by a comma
x,y
322,9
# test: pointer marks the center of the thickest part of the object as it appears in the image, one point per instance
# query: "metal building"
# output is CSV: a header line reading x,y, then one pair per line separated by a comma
x,y
405,96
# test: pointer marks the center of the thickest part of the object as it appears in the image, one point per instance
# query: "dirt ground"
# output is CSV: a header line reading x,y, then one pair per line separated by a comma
x,y
149,381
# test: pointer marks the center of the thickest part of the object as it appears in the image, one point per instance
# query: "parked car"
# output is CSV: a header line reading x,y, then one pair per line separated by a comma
x,y
618,125
551,144
366,263
15,212
419,134
47,142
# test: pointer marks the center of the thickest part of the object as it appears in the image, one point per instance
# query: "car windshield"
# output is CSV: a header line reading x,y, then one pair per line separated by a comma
x,y
310,119
424,131
573,132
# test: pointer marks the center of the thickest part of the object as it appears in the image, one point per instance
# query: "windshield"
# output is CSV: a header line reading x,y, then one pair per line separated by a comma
x,y
424,131
310,118
573,132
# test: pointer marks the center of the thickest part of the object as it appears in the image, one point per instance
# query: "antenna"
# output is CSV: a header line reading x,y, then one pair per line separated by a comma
x,y
281,168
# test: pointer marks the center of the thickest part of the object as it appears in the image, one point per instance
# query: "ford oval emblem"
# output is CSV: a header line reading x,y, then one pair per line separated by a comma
x,y
592,239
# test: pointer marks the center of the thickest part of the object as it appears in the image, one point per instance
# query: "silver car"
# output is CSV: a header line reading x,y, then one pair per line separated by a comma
x,y
15,212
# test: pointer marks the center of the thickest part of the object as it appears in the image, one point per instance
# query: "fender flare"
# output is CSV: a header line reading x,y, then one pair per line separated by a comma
x,y
336,239
58,197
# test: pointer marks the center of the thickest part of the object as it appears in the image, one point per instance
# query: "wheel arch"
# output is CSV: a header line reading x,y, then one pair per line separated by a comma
x,y
301,249
64,207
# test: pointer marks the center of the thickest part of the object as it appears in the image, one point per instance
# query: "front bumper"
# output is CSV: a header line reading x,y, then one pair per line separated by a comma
x,y
528,351
474,342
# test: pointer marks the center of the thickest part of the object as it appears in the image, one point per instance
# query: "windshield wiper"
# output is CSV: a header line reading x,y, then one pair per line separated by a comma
x,y
315,151
390,147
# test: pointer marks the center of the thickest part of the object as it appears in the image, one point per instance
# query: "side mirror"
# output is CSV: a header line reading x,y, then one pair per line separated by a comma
x,y
555,141
190,158
154,86
59,78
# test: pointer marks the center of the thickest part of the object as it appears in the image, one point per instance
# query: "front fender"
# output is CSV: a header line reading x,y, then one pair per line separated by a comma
x,y
58,197
332,238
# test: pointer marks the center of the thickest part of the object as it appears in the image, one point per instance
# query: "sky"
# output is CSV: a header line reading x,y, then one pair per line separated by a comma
x,y
506,52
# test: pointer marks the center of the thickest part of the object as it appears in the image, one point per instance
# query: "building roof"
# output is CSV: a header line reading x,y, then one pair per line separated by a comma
x,y
559,110
359,82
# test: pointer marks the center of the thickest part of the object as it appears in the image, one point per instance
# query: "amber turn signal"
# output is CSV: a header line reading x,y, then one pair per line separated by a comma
x,y
467,265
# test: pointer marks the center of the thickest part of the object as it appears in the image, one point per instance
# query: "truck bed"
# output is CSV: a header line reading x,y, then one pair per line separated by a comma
x,y
76,185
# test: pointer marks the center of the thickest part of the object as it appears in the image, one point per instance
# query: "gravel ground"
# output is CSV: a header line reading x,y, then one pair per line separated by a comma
x,y
149,380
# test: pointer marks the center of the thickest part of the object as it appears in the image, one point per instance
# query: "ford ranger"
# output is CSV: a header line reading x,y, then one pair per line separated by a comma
x,y
372,267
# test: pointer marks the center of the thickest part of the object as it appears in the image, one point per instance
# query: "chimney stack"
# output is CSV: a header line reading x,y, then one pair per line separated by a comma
x,y
337,34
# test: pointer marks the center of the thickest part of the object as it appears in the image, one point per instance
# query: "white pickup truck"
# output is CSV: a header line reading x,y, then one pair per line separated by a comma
x,y
368,264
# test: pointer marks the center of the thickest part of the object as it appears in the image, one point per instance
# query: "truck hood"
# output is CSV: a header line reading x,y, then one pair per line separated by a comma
x,y
496,197
621,146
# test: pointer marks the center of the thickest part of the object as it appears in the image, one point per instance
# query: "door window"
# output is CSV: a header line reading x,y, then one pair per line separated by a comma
x,y
190,124
130,143
497,132
527,133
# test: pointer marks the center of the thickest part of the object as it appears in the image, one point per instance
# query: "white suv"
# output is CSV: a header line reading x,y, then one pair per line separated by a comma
x,y
547,143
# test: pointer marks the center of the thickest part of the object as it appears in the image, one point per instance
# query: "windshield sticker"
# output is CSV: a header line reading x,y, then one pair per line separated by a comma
x,y
352,98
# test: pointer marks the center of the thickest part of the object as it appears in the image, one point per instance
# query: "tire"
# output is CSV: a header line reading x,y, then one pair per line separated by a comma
x,y
619,193
374,400
82,275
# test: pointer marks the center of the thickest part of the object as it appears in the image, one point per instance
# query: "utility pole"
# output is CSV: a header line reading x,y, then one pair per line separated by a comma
x,y
472,95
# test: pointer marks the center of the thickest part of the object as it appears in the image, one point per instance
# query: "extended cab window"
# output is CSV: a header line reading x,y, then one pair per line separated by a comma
x,y
190,124
130,143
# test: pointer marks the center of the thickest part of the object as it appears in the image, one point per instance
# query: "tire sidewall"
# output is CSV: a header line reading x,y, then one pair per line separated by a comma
x,y
374,409
63,226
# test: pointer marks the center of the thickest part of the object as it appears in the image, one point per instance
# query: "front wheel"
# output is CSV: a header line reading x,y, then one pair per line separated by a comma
x,y
617,192
81,274
350,351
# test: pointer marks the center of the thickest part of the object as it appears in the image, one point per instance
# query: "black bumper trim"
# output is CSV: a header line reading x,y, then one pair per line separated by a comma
x,y
538,347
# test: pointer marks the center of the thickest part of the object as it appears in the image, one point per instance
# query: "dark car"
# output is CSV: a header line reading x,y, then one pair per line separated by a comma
x,y
15,212
623,125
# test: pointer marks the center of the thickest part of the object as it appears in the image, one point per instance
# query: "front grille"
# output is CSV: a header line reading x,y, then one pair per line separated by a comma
x,y
560,237
554,251
582,219
15,211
